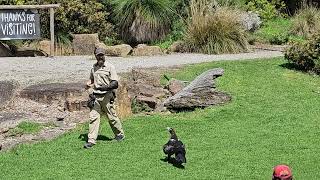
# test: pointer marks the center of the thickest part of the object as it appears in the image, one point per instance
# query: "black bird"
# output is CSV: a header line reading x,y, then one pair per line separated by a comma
x,y
175,147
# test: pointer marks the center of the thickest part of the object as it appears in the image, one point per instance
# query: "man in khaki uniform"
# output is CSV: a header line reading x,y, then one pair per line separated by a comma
x,y
104,82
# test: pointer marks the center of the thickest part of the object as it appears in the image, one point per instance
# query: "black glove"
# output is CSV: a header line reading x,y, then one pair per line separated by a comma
x,y
113,85
91,101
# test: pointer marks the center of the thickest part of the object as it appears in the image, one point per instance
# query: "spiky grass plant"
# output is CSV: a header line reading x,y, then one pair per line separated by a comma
x,y
307,21
214,30
142,21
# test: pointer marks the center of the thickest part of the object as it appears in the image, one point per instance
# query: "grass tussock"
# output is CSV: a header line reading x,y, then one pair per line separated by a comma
x,y
307,21
214,30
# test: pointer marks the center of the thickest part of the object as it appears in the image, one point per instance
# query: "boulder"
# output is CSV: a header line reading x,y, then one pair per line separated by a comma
x,y
122,50
144,50
200,93
49,93
147,90
5,50
84,44
29,52
123,101
175,86
177,46
44,45
142,76
76,103
7,93
251,21
152,102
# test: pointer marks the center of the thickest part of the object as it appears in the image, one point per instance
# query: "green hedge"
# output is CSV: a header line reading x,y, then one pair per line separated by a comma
x,y
305,55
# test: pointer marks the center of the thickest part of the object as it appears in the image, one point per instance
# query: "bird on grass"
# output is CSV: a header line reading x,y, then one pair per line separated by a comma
x,y
175,147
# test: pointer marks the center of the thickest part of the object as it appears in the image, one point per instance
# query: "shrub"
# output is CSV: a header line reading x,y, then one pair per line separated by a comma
x,y
141,21
306,21
214,30
305,55
265,8
176,34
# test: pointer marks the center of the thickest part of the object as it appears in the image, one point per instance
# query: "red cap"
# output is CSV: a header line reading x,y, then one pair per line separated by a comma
x,y
282,172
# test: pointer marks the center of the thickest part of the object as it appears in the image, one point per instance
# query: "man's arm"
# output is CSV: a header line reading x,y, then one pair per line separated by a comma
x,y
91,81
113,85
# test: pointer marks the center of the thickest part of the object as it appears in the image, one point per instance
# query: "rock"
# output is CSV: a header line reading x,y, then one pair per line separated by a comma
x,y
84,44
144,50
7,92
142,76
48,93
4,130
60,49
61,116
177,46
150,101
251,21
123,101
10,117
76,103
29,52
44,45
5,50
200,93
175,86
122,50
100,45
146,90
160,108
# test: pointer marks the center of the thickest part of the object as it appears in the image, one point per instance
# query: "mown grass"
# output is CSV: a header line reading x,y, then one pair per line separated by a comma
x,y
26,128
273,118
276,31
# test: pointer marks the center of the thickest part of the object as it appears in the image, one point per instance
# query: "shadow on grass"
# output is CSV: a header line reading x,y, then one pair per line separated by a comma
x,y
173,162
84,137
292,66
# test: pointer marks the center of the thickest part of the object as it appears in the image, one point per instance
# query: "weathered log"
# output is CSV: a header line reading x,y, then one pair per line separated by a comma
x,y
200,93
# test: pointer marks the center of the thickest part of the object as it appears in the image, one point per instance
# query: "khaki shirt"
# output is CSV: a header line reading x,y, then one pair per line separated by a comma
x,y
103,76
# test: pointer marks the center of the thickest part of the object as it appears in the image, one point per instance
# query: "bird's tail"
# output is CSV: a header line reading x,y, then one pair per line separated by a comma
x,y
181,158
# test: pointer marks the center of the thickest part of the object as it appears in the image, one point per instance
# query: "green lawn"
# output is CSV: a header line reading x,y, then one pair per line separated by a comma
x,y
276,31
273,118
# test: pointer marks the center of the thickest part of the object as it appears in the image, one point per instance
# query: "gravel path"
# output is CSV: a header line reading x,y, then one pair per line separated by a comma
x,y
33,70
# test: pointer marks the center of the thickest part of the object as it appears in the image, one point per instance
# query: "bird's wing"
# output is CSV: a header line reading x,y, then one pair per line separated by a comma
x,y
168,149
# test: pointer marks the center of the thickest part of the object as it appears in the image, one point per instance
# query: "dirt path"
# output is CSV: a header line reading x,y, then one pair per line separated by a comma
x,y
33,70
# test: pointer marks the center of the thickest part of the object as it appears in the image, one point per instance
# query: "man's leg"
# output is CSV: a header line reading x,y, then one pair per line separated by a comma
x,y
94,123
114,120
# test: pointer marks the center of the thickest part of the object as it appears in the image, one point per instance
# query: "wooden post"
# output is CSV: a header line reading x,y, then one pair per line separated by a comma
x,y
52,32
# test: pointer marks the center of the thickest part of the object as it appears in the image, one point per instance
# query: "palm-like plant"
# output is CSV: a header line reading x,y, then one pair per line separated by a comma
x,y
142,21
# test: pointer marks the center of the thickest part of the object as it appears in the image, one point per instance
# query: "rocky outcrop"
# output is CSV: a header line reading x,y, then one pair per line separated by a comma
x,y
200,93
250,21
84,44
7,92
177,46
144,50
175,86
145,77
121,50
48,93
123,101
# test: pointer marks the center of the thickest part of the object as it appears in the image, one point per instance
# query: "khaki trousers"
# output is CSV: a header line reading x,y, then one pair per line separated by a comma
x,y
103,104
